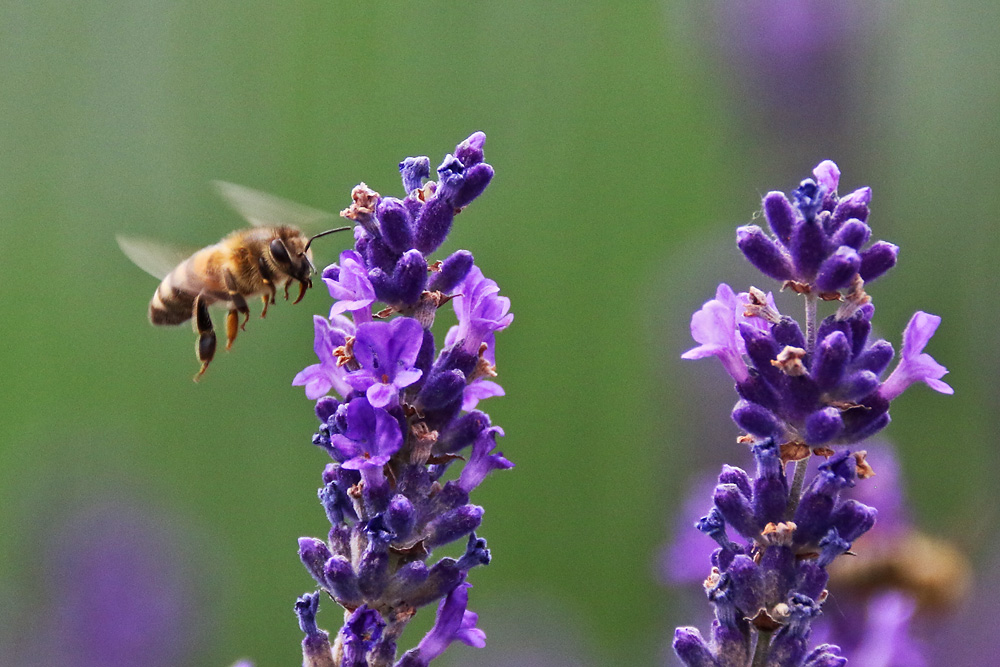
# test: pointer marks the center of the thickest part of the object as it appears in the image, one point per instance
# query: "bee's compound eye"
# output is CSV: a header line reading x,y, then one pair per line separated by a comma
x,y
279,252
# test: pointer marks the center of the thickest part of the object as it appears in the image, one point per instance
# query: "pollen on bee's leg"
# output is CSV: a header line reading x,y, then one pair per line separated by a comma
x,y
263,297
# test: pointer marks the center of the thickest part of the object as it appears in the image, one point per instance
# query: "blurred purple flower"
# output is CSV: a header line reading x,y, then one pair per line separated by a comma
x,y
119,592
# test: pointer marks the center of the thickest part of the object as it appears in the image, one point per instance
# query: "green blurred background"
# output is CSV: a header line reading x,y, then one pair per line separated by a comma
x,y
629,139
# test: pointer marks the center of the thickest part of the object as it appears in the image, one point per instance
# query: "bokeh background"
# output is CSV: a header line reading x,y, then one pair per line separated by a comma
x,y
143,515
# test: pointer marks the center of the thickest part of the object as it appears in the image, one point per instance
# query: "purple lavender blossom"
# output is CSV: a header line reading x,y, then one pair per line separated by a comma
x,y
916,365
454,623
328,374
801,390
404,413
715,327
350,287
386,352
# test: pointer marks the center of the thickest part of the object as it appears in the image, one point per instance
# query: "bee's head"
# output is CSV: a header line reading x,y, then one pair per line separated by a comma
x,y
291,253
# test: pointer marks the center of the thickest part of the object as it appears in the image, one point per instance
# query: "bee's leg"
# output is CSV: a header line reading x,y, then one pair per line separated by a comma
x,y
206,334
287,285
265,274
239,307
303,286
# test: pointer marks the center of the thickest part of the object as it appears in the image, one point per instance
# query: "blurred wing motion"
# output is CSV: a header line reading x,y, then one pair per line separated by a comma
x,y
155,258
261,209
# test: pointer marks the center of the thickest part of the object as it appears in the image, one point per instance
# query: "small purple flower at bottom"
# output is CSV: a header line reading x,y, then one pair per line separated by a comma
x,y
454,623
915,365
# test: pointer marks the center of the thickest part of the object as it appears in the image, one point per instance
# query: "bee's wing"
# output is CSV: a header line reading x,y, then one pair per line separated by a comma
x,y
262,209
155,258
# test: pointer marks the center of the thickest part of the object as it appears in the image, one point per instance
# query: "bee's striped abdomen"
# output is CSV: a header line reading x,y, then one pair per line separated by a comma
x,y
171,304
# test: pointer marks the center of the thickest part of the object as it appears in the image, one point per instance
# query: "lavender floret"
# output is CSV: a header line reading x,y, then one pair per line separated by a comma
x,y
404,405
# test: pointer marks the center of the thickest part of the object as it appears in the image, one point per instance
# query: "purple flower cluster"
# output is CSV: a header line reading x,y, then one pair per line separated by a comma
x,y
801,392
404,413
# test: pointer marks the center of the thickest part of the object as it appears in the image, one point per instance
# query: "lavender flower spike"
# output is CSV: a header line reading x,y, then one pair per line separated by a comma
x,y
803,391
916,365
406,408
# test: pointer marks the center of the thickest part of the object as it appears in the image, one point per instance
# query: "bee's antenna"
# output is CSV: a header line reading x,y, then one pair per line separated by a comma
x,y
329,231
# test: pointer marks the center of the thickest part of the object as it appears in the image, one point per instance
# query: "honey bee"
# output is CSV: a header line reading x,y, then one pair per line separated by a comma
x,y
246,263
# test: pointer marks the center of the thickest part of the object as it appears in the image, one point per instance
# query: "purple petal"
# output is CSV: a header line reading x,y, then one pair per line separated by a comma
x,y
479,390
827,174
914,364
380,395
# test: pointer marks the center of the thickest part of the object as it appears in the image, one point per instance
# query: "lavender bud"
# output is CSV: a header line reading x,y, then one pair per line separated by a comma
x,y
451,177
433,224
692,649
838,270
854,205
314,554
781,217
736,509
441,390
737,476
394,223
316,645
342,582
857,386
825,655
823,426
853,519
853,234
786,331
808,248
477,177
414,170
453,524
770,491
763,253
877,260
832,355
409,278
470,151
756,420
876,358
453,271
748,585
400,518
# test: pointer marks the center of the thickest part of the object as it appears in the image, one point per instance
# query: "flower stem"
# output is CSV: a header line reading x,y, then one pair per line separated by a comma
x,y
763,649
810,321
795,493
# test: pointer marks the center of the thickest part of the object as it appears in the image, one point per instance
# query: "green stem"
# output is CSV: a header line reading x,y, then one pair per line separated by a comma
x,y
763,649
